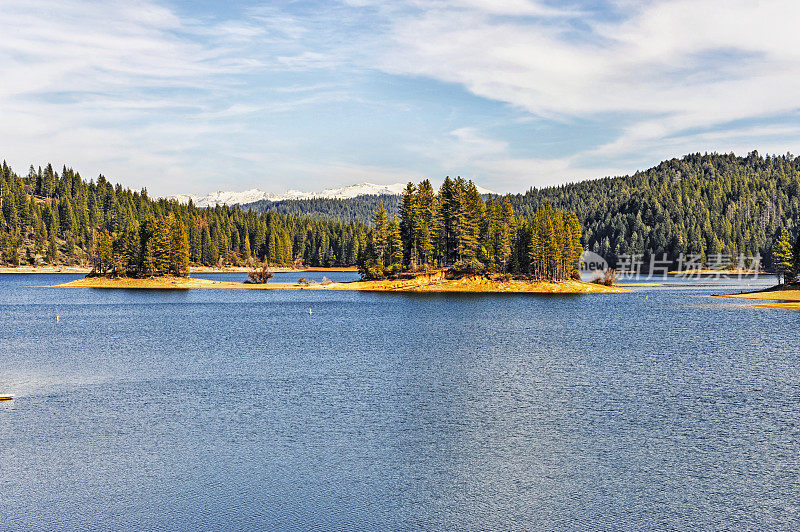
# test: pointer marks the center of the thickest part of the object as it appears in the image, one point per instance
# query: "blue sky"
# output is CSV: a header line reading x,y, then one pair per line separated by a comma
x,y
191,97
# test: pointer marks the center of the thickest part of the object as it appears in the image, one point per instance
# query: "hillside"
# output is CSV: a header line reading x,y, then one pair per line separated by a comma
x,y
698,204
59,218
359,208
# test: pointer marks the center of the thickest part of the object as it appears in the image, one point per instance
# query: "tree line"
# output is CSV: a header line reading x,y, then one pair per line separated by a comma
x,y
50,217
707,205
457,228
359,208
703,205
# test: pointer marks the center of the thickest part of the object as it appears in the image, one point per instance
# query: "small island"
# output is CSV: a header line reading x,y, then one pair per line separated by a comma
x,y
451,242
432,282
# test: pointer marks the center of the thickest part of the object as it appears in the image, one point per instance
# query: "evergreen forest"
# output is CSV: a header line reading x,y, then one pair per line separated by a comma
x,y
50,217
709,205
459,230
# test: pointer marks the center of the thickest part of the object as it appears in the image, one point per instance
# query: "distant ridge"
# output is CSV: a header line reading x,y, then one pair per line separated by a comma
x,y
254,195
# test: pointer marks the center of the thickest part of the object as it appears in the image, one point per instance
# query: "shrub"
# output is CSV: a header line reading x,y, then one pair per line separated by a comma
x,y
260,275
467,266
609,278
371,270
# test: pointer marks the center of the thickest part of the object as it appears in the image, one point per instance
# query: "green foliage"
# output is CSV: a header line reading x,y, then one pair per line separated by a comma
x,y
459,230
796,253
178,248
369,266
468,266
701,204
380,235
46,205
783,255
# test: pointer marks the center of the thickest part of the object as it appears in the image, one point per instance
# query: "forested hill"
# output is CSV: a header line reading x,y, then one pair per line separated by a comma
x,y
699,204
358,209
54,217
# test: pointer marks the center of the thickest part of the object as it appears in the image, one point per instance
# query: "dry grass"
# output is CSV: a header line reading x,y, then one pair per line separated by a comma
x,y
197,269
167,283
785,306
438,283
424,283
788,294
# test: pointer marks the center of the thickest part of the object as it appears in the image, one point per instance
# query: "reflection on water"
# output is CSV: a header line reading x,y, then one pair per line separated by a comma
x,y
661,408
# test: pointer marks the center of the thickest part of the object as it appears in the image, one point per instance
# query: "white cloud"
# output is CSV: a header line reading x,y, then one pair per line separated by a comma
x,y
667,68
148,97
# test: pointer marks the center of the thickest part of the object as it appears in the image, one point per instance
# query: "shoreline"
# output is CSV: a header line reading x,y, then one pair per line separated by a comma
x,y
19,270
734,272
786,297
432,284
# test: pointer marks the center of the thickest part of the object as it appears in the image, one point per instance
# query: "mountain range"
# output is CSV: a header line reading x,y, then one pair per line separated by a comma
x,y
254,195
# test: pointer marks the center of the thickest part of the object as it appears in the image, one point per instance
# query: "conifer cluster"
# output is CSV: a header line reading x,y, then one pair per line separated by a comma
x,y
712,206
457,229
154,247
49,217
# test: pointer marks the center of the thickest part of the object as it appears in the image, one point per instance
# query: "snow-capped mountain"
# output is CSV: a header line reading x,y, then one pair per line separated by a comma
x,y
249,196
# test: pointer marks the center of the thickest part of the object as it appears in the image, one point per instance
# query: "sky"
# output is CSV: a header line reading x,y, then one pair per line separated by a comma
x,y
197,96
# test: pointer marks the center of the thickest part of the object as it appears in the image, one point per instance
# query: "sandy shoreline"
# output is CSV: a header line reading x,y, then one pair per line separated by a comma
x,y
194,269
435,283
784,298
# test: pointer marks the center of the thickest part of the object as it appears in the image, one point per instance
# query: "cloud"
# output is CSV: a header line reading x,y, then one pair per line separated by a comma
x,y
665,68
291,93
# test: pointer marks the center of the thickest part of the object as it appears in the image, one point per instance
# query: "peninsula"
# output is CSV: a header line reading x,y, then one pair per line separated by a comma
x,y
784,296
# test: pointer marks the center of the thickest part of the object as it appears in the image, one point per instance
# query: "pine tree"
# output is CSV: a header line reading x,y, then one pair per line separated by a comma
x,y
246,251
104,253
796,253
447,223
131,250
205,246
562,251
52,251
161,246
475,220
179,247
782,255
409,225
506,231
395,244
573,228
380,234
426,228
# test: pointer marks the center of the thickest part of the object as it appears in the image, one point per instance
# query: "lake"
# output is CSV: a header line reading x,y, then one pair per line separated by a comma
x,y
237,409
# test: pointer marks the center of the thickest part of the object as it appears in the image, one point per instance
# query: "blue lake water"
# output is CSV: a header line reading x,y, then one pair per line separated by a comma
x,y
236,409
